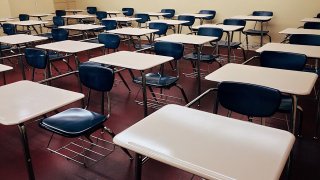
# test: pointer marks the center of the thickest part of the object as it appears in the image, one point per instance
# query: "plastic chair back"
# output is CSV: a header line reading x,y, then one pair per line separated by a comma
x,y
262,13
96,77
61,13
235,22
36,58
101,15
212,12
110,41
58,21
92,10
109,24
171,11
9,29
283,60
191,20
128,11
311,25
59,34
162,27
24,17
318,15
249,99
143,17
171,49
305,39
211,31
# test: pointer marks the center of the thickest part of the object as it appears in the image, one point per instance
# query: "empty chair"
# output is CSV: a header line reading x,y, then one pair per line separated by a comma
x,y
143,19
128,11
57,22
91,11
208,18
78,122
109,24
37,59
318,15
10,29
24,17
59,34
161,27
189,24
61,13
101,15
170,11
258,32
311,25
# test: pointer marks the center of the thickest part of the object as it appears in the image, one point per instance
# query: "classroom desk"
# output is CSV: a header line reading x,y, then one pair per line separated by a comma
x,y
138,32
3,69
260,19
300,31
154,14
40,16
290,82
25,100
310,20
74,11
196,15
83,28
122,19
226,28
170,22
208,145
18,40
195,40
78,17
29,23
135,61
112,12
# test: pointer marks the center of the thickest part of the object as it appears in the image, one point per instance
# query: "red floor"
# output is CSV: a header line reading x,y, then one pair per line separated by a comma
x,y
126,112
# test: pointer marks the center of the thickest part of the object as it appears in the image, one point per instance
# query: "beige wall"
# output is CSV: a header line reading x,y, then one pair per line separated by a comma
x,y
31,6
4,8
287,13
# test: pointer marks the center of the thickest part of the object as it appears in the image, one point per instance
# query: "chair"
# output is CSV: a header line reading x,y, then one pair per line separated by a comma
x,y
61,13
209,18
311,25
287,61
128,11
57,22
143,19
189,24
170,11
258,32
10,29
159,79
24,17
77,122
91,11
234,45
318,15
101,15
37,59
109,24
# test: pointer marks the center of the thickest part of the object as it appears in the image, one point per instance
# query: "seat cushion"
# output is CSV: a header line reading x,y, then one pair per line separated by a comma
x,y
4,47
286,104
73,122
157,80
254,32
206,58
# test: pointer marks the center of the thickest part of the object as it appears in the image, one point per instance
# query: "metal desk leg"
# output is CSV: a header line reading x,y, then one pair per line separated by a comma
x,y
80,86
317,120
27,156
144,92
294,113
138,167
21,63
229,48
261,35
198,72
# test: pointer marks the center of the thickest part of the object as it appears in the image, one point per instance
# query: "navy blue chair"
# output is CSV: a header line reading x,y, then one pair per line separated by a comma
x,y
311,25
37,59
318,15
161,27
101,15
287,61
128,11
61,13
305,39
24,17
78,122
10,29
143,19
109,24
159,79
91,11
170,11
59,34
248,99
208,18
189,24
57,22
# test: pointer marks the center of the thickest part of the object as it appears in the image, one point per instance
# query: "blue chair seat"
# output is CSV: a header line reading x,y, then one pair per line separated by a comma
x,y
286,104
92,40
206,58
4,47
157,80
254,32
232,44
74,122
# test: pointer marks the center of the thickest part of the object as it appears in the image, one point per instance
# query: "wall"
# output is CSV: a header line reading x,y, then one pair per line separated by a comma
x,y
4,8
30,6
287,13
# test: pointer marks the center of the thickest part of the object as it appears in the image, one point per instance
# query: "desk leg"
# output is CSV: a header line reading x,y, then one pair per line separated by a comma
x,y
317,120
27,156
261,35
34,28
294,113
144,92
138,167
229,48
77,61
198,72
21,63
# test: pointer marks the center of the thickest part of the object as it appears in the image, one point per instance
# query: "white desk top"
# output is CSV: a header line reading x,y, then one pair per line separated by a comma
x,y
5,19
81,27
122,19
79,16
25,100
132,60
229,28
209,145
253,18
41,15
28,23
154,13
20,39
291,82
5,68
74,10
310,20
133,31
113,12
300,31
69,46
196,15
310,51
186,39
168,21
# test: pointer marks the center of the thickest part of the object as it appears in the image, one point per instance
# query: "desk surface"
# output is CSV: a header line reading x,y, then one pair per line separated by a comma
x,y
82,27
132,60
5,19
253,18
168,21
300,31
41,15
20,39
122,19
74,10
5,68
291,82
310,20
133,31
229,28
154,13
26,100
196,15
186,39
310,51
209,145
113,12
79,16
28,23
69,46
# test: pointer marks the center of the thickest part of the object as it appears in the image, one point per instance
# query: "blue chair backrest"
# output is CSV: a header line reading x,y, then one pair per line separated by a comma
x,y
171,11
92,10
236,22
171,49
36,58
96,77
212,12
101,15
61,12
318,15
24,17
262,13
283,60
59,34
249,99
110,41
9,29
128,11
143,17
191,19
211,31
162,27
109,24
311,25
58,21
305,39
